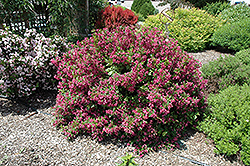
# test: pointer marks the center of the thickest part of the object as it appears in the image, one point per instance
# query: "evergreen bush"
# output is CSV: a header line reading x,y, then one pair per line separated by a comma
x,y
231,70
147,9
137,4
235,36
128,84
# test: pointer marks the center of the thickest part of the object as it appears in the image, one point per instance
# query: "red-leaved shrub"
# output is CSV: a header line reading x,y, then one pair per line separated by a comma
x,y
112,17
131,85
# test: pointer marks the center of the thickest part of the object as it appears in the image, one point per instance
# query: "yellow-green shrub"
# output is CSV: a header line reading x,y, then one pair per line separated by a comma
x,y
191,27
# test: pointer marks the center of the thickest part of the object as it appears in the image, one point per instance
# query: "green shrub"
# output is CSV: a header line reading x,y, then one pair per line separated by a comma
x,y
235,36
227,123
137,4
244,56
216,8
235,13
147,9
191,27
228,71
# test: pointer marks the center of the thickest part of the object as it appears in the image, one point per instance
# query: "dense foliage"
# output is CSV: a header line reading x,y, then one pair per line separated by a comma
x,y
174,4
128,84
244,56
227,71
190,3
25,62
191,27
235,13
115,16
216,8
137,4
63,17
228,121
202,3
235,36
147,9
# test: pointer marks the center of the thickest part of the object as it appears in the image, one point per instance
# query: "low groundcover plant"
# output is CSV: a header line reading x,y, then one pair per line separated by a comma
x,y
128,84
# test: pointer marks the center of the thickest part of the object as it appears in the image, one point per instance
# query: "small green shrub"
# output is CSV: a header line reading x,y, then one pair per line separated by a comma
x,y
227,71
235,36
191,27
137,4
227,123
216,8
147,9
235,13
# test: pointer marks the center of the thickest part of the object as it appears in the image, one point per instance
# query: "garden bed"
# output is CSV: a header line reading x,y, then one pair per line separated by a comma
x,y
27,139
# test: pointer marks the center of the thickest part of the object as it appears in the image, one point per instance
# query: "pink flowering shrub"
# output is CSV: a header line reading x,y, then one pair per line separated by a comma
x,y
131,85
25,62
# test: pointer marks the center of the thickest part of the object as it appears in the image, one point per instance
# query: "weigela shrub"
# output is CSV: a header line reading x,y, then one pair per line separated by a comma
x,y
235,13
112,17
235,36
227,122
131,85
25,62
191,27
230,70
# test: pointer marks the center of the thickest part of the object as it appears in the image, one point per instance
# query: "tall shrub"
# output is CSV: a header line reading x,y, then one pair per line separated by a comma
x,y
131,85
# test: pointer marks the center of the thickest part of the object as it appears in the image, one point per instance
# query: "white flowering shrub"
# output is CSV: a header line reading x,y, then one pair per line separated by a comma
x,y
25,62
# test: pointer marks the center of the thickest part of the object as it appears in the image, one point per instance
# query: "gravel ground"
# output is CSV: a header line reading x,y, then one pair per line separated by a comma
x,y
30,139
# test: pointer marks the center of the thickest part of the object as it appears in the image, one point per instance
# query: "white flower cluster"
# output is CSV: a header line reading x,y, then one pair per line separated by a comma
x,y
25,63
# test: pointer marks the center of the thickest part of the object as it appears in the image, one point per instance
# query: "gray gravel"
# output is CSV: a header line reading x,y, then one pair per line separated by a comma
x,y
34,141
